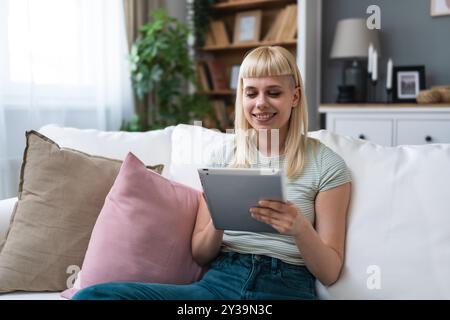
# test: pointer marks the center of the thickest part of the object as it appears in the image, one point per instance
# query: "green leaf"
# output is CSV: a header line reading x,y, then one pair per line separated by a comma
x,y
160,65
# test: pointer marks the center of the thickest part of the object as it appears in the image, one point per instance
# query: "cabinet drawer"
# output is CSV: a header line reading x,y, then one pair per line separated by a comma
x,y
376,130
423,131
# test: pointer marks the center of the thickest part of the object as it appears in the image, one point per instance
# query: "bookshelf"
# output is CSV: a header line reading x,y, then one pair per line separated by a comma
x,y
230,37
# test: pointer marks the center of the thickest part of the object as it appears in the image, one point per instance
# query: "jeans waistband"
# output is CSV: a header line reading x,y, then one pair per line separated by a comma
x,y
274,264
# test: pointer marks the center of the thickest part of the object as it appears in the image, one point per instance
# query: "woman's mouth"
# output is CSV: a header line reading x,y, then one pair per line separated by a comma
x,y
263,117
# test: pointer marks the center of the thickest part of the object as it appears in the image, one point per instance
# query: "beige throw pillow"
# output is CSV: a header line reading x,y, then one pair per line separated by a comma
x,y
61,193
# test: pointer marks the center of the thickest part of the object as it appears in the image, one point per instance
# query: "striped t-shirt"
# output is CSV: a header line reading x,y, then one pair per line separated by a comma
x,y
323,170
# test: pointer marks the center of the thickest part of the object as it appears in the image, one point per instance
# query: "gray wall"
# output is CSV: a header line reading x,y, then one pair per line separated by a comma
x,y
409,35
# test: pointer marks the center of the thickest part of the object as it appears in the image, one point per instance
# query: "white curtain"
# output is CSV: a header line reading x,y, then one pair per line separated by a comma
x,y
62,62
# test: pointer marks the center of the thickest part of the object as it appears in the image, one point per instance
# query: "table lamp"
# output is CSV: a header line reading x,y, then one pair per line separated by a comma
x,y
351,41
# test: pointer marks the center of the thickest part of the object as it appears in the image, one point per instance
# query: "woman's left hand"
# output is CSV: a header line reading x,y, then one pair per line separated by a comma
x,y
284,217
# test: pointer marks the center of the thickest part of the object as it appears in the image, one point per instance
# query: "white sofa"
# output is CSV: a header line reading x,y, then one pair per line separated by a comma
x,y
398,240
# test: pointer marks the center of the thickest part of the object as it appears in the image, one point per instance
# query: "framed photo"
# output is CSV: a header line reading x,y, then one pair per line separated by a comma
x,y
408,81
440,8
247,26
234,76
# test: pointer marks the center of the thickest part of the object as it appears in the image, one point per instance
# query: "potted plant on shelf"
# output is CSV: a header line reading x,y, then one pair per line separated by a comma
x,y
161,69
201,17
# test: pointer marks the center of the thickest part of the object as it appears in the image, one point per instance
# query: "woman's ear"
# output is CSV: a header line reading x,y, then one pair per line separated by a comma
x,y
296,97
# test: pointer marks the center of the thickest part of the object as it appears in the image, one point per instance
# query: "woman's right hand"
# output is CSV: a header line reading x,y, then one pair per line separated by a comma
x,y
206,239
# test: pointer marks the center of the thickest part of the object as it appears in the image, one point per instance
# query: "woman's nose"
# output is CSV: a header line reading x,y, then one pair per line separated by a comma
x,y
260,101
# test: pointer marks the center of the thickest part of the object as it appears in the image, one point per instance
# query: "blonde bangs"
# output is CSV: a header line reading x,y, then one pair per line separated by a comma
x,y
264,63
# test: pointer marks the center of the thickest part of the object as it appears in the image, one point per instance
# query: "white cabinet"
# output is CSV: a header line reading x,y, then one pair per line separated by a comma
x,y
425,131
376,130
390,125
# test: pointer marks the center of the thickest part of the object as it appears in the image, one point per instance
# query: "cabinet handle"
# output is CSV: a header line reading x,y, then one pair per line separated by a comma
x,y
361,136
428,139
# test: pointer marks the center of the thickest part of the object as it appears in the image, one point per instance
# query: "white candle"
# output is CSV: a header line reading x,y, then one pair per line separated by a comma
x,y
389,75
369,59
375,65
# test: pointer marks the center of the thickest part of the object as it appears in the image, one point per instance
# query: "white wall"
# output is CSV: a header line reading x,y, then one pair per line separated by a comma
x,y
177,9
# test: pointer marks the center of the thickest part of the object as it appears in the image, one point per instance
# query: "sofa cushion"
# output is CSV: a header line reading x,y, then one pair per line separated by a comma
x,y
61,193
143,232
6,209
398,237
31,296
192,147
151,146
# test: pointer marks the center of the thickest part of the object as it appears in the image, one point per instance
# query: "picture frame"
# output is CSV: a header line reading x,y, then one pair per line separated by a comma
x,y
234,76
247,26
439,8
407,82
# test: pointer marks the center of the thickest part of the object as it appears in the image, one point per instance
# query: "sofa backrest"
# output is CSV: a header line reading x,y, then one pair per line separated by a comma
x,y
191,149
152,147
398,235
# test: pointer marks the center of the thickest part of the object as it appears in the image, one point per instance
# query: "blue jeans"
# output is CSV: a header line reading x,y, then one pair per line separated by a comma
x,y
232,276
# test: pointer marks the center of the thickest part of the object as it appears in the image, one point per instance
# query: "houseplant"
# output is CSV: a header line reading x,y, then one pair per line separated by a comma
x,y
161,69
201,16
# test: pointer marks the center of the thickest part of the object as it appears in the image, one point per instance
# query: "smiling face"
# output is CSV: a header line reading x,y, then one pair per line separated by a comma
x,y
268,101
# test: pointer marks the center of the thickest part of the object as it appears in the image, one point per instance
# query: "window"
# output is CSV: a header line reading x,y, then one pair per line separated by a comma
x,y
49,53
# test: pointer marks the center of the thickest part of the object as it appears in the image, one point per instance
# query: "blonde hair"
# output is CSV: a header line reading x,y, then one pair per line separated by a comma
x,y
267,61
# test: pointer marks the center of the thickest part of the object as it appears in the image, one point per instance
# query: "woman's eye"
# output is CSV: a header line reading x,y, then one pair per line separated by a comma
x,y
250,94
274,94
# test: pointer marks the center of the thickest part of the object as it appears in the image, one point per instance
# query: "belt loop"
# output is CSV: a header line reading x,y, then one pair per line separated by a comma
x,y
274,265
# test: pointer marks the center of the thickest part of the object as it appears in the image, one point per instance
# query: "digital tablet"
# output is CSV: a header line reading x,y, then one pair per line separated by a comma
x,y
231,192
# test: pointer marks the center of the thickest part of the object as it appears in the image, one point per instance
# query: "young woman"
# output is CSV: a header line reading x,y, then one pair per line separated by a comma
x,y
270,128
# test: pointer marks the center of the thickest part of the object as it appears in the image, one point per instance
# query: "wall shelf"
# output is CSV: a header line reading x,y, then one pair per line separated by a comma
x,y
219,92
255,4
250,45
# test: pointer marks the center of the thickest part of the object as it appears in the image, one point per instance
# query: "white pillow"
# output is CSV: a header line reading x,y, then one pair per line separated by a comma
x,y
152,147
191,149
398,237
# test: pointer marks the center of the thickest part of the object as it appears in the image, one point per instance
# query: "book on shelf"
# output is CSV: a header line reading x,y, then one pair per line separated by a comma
x,y
272,33
231,115
209,39
291,23
292,29
284,26
218,73
204,76
219,33
222,113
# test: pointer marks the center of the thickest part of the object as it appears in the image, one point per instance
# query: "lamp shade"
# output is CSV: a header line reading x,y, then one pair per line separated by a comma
x,y
352,39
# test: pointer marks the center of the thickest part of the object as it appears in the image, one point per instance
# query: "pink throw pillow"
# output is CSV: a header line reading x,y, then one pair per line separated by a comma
x,y
143,232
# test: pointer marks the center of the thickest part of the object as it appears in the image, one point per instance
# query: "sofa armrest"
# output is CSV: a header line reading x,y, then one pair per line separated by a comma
x,y
6,209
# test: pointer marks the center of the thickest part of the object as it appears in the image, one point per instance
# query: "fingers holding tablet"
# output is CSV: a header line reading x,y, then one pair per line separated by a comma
x,y
282,216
